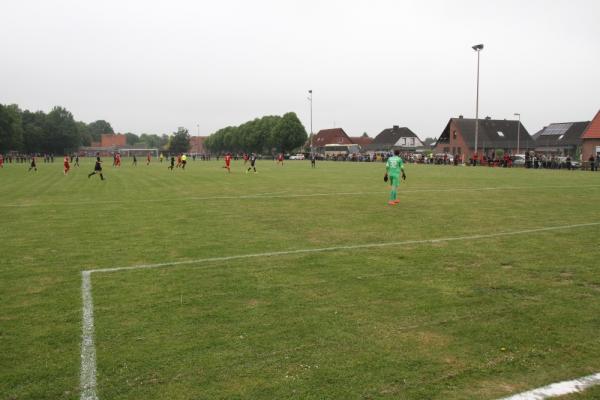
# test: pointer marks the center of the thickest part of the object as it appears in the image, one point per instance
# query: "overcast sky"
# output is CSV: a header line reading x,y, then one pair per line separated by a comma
x,y
152,66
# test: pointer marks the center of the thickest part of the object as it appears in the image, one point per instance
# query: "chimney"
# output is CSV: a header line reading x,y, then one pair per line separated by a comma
x,y
460,117
395,128
488,118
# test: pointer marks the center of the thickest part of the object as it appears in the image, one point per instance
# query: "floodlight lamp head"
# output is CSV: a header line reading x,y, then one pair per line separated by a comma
x,y
478,47
310,91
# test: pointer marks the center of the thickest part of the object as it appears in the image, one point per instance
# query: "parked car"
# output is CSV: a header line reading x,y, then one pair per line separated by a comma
x,y
563,163
518,160
298,156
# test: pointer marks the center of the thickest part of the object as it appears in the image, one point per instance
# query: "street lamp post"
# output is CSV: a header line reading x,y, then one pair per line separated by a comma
x,y
477,48
518,132
311,127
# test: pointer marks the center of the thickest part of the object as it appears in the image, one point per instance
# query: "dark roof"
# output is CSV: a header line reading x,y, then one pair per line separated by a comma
x,y
389,137
361,140
493,133
561,134
593,129
331,136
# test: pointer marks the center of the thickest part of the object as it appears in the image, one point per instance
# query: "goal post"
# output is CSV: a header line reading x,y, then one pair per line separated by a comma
x,y
138,152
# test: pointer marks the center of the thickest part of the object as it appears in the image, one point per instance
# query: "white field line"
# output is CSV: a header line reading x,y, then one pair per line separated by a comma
x,y
88,349
558,389
287,196
336,248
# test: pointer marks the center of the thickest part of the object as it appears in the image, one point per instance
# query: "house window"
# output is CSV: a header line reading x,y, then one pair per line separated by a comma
x,y
458,150
454,134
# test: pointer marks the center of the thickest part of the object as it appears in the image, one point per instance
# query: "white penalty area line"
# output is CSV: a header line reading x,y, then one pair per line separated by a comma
x,y
558,389
88,349
272,195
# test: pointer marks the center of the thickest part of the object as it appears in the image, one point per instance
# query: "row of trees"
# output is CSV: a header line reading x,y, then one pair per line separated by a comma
x,y
29,131
268,134
58,132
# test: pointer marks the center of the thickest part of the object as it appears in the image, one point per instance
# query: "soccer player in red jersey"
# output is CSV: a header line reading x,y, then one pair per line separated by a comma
x,y
1,161
245,158
228,162
66,165
280,159
148,159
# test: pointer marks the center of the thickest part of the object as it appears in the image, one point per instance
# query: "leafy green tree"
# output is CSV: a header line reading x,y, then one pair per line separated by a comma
x,y
6,132
288,134
97,128
61,133
11,131
34,125
131,138
180,141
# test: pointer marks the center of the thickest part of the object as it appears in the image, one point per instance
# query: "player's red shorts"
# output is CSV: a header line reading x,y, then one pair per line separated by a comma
x,y
67,167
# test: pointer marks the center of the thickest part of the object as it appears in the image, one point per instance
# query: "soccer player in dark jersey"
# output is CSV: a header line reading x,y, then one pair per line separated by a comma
x,y
32,165
313,160
77,160
252,163
134,161
172,163
97,167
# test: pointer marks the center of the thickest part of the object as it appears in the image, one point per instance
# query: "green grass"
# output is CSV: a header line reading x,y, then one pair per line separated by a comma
x,y
464,319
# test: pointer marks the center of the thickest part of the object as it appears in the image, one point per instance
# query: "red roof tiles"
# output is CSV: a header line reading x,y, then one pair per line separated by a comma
x,y
593,129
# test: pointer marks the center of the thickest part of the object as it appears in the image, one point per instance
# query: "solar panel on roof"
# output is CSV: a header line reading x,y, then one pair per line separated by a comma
x,y
557,129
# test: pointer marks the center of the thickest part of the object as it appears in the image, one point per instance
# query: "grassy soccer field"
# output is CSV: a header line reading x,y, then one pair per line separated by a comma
x,y
498,305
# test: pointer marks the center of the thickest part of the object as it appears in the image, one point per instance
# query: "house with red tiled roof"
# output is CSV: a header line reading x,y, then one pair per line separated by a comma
x,y
591,139
362,141
328,137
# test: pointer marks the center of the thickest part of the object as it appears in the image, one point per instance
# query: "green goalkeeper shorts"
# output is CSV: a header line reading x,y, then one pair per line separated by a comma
x,y
394,180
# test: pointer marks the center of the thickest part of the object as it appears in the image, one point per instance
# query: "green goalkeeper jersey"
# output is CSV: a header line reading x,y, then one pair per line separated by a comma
x,y
394,165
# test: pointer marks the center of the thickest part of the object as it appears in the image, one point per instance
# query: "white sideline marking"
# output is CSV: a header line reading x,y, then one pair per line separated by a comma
x,y
335,248
558,389
286,196
88,349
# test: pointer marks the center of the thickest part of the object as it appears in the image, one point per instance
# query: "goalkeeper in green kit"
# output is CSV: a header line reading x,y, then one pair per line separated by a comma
x,y
393,167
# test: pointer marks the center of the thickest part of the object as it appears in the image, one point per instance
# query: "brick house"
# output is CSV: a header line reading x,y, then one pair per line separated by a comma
x,y
458,137
563,138
197,145
114,140
329,136
395,138
362,141
591,139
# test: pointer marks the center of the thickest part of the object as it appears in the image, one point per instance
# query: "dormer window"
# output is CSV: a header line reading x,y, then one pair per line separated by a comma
x,y
500,133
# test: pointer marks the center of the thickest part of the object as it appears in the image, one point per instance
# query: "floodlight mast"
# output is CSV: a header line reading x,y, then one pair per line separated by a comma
x,y
311,121
477,48
518,132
